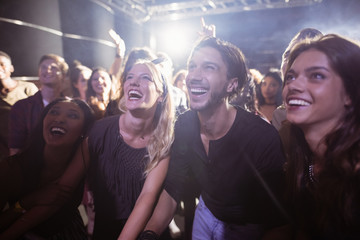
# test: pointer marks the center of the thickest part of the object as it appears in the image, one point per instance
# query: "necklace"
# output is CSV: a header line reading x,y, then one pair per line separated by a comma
x,y
311,173
309,166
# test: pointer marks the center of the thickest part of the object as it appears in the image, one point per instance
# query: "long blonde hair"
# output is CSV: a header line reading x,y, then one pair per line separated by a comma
x,y
163,122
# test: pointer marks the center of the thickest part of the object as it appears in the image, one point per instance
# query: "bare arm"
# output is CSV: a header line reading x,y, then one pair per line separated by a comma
x,y
163,214
146,202
120,53
42,204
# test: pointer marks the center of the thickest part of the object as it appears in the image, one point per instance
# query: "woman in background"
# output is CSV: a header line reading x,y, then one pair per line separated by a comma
x,y
100,91
269,94
79,77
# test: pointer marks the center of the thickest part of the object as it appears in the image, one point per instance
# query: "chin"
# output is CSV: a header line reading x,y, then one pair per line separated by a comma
x,y
198,107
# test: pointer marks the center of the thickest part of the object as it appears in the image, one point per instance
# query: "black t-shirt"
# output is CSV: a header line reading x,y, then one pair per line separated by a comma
x,y
116,170
241,174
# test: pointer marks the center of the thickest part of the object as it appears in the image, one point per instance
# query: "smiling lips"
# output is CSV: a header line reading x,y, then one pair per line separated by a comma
x,y
134,95
198,91
57,131
297,102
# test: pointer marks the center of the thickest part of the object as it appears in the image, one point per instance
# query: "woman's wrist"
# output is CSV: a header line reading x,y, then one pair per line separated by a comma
x,y
148,235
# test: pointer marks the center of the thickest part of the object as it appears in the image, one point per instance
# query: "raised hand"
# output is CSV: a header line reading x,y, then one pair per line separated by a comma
x,y
207,30
120,44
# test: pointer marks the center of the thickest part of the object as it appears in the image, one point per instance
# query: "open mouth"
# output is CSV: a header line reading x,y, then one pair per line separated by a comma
x,y
298,102
57,131
198,91
134,95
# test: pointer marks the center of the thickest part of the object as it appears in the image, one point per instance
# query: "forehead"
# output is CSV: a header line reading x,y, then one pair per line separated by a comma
x,y
207,54
311,57
48,62
269,79
139,68
101,73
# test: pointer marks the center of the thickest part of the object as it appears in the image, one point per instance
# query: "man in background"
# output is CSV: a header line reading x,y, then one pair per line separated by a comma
x,y
11,91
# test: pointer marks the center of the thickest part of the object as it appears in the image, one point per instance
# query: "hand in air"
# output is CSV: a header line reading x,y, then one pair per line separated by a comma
x,y
120,44
207,30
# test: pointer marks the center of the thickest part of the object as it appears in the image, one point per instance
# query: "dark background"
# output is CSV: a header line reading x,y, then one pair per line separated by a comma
x,y
261,34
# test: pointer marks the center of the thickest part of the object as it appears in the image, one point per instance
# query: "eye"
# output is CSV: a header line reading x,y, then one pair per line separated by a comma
x,y
53,112
191,67
317,75
128,77
289,77
147,77
73,115
210,67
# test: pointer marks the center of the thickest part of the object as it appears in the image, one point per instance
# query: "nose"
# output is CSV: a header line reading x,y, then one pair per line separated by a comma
x,y
61,118
194,75
135,81
298,84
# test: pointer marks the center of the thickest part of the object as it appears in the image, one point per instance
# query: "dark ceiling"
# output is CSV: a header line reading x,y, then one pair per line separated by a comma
x,y
169,10
261,28
79,29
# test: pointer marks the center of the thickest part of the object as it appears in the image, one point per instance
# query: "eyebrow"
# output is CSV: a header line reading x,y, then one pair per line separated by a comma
x,y
310,69
316,68
204,63
208,62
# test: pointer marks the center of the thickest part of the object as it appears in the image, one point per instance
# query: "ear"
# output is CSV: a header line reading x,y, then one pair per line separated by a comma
x,y
232,85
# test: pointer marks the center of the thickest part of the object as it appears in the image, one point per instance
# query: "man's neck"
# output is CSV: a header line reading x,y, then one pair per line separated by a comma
x,y
216,122
50,93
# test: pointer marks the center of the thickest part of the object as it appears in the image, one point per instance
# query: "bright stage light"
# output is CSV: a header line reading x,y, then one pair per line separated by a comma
x,y
176,40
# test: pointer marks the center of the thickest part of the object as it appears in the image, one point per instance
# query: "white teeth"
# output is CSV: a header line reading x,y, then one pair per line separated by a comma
x,y
134,94
58,130
198,90
298,102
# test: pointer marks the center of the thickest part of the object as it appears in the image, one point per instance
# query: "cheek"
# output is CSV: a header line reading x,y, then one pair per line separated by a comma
x,y
153,93
76,129
275,89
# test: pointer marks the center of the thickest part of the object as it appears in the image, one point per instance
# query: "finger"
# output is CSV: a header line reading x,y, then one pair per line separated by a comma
x,y
112,32
114,36
202,22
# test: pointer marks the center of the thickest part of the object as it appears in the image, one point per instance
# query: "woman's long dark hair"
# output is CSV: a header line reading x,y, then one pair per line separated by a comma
x,y
337,190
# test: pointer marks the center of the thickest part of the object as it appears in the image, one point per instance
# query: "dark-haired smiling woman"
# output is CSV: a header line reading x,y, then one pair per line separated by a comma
x,y
322,99
43,184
